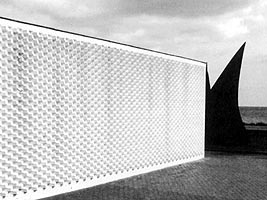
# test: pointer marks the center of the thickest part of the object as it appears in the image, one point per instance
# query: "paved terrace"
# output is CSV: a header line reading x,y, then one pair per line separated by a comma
x,y
219,176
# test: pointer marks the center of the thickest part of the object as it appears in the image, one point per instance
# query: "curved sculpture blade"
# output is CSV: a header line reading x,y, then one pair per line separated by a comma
x,y
224,124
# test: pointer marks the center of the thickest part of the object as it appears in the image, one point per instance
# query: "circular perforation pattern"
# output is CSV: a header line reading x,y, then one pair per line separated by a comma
x,y
74,111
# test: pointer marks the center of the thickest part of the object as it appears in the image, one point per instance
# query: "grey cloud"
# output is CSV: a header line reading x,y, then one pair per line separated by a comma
x,y
4,2
122,8
180,8
106,16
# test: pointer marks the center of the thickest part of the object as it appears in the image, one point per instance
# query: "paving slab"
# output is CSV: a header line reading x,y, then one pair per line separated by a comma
x,y
219,176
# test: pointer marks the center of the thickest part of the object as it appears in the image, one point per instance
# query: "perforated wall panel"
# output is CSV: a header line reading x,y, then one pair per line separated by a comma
x,y
77,111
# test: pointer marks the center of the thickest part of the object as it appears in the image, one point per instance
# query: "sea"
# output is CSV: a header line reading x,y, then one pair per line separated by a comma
x,y
254,115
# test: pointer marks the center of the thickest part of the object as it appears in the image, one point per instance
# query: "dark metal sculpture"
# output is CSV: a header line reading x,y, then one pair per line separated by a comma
x,y
224,126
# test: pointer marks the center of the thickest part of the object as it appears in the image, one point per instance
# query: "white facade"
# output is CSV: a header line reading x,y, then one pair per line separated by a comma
x,y
78,111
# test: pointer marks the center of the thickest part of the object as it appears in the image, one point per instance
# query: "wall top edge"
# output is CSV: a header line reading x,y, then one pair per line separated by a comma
x,y
94,40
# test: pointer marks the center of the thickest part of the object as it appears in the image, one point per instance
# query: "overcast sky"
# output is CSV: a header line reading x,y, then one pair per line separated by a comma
x,y
208,30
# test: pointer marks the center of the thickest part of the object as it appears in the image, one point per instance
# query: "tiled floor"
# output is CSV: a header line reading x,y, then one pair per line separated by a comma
x,y
218,176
